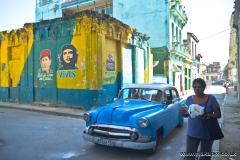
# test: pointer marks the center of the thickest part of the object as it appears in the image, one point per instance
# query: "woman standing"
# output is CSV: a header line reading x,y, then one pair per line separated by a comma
x,y
196,131
226,85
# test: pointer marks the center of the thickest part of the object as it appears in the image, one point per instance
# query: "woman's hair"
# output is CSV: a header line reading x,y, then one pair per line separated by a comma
x,y
200,81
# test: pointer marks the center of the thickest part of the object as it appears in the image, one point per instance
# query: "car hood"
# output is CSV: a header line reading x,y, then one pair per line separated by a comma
x,y
122,112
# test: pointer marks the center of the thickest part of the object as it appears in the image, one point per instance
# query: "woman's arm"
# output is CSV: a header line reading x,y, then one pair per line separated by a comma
x,y
216,114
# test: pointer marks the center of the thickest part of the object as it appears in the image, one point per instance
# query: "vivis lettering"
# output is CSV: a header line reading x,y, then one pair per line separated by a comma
x,y
67,74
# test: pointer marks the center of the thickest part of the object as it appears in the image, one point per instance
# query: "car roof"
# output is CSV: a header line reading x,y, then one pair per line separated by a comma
x,y
160,86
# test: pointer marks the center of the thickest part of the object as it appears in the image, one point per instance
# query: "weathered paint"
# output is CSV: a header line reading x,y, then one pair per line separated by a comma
x,y
15,48
33,57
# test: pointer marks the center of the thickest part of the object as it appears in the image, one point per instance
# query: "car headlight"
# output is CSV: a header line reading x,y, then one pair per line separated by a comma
x,y
86,116
143,122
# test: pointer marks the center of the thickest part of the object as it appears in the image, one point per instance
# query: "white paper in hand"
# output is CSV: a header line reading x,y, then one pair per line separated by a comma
x,y
195,110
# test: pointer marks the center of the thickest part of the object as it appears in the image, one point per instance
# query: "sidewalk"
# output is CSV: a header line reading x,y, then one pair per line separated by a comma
x,y
231,125
60,111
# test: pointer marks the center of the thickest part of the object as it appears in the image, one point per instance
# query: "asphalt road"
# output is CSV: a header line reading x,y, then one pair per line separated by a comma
x,y
28,135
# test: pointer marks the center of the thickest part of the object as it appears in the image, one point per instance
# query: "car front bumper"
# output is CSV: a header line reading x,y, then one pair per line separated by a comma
x,y
119,143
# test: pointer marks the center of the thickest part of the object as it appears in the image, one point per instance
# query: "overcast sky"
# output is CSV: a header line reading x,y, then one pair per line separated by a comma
x,y
14,13
206,18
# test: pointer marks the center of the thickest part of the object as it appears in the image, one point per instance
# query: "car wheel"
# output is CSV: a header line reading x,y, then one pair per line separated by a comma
x,y
180,124
154,150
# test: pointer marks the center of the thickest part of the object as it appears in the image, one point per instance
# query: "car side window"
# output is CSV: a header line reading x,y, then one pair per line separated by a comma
x,y
125,94
157,96
168,95
174,94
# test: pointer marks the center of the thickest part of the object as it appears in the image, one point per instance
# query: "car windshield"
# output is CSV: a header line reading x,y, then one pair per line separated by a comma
x,y
142,94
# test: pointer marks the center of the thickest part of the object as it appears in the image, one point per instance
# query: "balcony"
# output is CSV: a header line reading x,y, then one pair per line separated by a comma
x,y
213,71
41,3
74,2
178,12
102,6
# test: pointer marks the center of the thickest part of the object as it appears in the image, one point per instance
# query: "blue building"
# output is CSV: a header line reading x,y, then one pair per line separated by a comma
x,y
162,20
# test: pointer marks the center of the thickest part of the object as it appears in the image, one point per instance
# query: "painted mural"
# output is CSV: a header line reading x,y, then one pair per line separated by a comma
x,y
68,57
45,73
68,74
45,61
110,62
110,73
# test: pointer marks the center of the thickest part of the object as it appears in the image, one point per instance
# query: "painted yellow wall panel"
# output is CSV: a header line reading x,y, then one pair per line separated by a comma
x,y
14,72
94,61
99,60
79,41
4,60
68,79
104,57
150,67
13,54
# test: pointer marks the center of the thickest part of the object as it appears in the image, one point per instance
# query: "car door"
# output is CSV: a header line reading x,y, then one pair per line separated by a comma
x,y
176,104
172,97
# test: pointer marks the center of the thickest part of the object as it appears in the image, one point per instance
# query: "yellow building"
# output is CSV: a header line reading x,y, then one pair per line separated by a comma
x,y
81,61
232,68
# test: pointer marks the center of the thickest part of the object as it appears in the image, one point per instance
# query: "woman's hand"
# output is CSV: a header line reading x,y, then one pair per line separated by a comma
x,y
184,111
203,116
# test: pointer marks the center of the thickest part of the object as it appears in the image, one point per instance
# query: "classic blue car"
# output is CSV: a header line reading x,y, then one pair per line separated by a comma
x,y
141,113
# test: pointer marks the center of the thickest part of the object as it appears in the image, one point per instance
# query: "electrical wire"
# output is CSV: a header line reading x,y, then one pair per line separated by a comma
x,y
215,34
218,33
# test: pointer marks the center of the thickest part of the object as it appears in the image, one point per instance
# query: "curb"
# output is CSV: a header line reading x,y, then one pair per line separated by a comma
x,y
47,110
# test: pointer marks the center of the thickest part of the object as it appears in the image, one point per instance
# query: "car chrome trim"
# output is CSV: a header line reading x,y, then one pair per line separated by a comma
x,y
119,131
120,143
114,126
111,133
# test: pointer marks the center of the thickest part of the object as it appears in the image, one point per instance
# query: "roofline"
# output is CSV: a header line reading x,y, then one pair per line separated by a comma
x,y
193,36
149,85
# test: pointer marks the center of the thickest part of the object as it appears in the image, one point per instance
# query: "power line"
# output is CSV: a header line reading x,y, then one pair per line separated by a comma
x,y
216,34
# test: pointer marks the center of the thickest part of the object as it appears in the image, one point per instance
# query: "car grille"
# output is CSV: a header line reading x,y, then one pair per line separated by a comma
x,y
116,132
110,131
